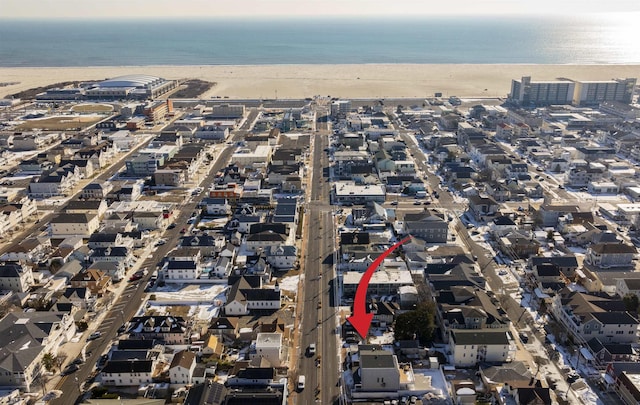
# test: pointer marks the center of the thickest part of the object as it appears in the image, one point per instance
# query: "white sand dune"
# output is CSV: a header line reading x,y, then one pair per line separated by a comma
x,y
348,81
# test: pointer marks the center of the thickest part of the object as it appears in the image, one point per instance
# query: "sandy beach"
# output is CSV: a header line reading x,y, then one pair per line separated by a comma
x,y
348,81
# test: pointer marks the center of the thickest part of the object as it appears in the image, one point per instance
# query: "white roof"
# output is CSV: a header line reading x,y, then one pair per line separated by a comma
x,y
130,81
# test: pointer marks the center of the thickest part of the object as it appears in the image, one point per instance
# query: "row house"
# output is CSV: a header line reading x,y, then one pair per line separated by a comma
x,y
121,255
57,183
96,191
587,316
123,373
170,330
99,155
30,250
109,239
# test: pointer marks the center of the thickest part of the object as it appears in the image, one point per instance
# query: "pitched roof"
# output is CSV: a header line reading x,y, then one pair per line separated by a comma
x,y
184,358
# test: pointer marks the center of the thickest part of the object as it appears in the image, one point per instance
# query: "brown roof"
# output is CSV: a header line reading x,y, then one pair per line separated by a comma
x,y
183,359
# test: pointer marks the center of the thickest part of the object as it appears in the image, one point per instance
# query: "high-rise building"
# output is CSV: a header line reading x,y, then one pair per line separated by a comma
x,y
529,93
595,92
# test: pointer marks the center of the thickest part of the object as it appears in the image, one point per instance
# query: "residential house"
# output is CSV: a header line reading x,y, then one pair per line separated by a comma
x,y
96,281
242,297
213,347
428,225
482,206
172,330
216,206
225,328
97,207
518,245
15,277
566,264
470,347
204,243
606,255
586,316
114,269
96,191
502,225
119,254
282,257
182,270
24,339
65,225
182,367
221,267
30,250
80,298
605,353
123,373
268,346
379,370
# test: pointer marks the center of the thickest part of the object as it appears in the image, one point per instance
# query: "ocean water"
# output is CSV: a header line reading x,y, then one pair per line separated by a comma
x,y
609,39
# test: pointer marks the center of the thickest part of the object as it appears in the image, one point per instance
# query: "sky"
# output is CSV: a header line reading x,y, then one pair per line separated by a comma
x,y
77,9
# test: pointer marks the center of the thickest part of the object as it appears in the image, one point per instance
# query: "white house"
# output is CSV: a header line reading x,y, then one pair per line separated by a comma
x,y
216,206
268,346
182,270
123,373
15,277
282,257
182,367
472,346
65,225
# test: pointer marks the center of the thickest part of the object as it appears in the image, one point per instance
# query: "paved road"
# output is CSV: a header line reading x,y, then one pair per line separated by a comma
x,y
129,302
318,316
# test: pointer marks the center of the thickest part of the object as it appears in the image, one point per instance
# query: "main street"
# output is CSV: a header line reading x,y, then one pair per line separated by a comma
x,y
126,305
318,319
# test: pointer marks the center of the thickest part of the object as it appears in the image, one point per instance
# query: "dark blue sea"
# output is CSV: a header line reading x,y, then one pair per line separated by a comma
x,y
607,39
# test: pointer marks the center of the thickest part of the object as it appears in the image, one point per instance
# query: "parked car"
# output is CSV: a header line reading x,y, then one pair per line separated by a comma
x,y
94,336
71,368
171,226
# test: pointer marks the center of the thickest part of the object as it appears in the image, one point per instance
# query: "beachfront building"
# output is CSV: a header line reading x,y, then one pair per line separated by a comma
x,y
130,87
527,92
592,93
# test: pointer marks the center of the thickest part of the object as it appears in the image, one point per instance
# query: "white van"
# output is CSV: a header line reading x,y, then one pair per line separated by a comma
x,y
301,380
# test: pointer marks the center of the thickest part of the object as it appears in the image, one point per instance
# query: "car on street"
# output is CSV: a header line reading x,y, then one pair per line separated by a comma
x,y
171,226
94,336
311,350
71,368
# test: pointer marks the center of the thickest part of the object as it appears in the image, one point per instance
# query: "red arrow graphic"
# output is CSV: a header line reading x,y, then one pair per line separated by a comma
x,y
361,319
